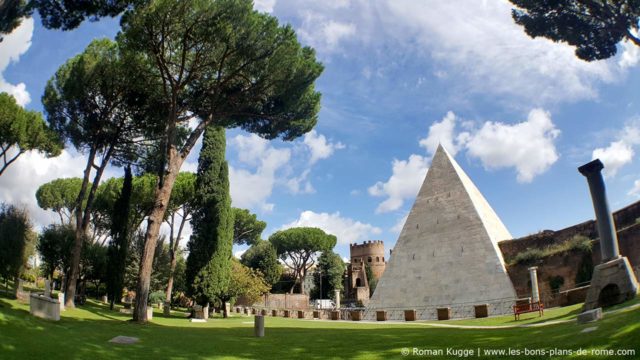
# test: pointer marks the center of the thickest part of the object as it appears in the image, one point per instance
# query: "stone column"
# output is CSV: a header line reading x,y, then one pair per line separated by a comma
x,y
606,227
337,299
258,326
535,294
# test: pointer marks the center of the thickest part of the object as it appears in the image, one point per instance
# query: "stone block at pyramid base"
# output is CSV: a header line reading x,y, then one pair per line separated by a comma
x,y
447,254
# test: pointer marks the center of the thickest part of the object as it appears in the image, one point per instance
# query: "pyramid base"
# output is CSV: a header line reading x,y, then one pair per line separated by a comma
x,y
612,283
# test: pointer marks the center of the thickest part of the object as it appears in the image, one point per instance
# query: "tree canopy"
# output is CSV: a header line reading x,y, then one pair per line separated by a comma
x,y
594,27
93,104
60,196
23,130
54,246
329,271
246,227
262,256
297,247
215,63
17,241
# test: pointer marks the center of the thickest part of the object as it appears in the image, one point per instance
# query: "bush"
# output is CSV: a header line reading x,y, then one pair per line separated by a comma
x,y
577,243
157,297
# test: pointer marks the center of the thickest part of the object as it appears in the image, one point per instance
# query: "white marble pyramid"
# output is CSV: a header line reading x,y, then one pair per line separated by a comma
x,y
447,254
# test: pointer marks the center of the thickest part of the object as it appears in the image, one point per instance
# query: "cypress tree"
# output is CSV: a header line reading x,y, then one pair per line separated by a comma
x,y
209,263
117,251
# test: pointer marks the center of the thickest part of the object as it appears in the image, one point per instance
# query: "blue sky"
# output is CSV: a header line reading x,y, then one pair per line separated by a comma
x,y
519,114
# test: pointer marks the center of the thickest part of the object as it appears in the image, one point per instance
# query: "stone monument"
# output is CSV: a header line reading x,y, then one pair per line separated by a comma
x,y
613,280
447,254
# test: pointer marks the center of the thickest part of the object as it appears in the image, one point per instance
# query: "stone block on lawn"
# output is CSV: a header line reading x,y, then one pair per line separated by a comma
x,y
590,315
44,307
125,340
335,315
381,315
444,313
482,311
409,315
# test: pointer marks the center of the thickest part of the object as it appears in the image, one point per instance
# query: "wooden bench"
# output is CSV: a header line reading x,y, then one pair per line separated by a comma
x,y
527,308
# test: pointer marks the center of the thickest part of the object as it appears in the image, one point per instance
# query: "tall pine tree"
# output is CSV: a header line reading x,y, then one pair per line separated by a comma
x,y
210,247
117,251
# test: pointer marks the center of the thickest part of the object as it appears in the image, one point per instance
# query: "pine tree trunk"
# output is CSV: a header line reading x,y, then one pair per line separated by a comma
x,y
156,218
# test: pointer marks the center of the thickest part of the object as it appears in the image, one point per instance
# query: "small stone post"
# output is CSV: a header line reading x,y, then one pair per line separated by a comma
x,y
606,227
337,299
47,288
258,326
535,293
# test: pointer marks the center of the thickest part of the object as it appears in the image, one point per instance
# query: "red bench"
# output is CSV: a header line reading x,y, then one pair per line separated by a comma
x,y
527,308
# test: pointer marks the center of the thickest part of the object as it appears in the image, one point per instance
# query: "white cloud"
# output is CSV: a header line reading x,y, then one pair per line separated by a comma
x,y
403,184
238,254
443,132
323,33
614,157
301,184
345,229
12,47
21,180
397,228
264,5
620,152
630,54
251,189
527,146
319,147
473,42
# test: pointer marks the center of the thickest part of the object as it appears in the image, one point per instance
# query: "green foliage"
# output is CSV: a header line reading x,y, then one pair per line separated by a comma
x,y
246,227
593,27
371,280
331,268
585,270
54,246
160,266
60,196
23,130
555,283
17,241
262,256
56,14
92,102
119,244
209,261
246,283
298,246
531,255
157,297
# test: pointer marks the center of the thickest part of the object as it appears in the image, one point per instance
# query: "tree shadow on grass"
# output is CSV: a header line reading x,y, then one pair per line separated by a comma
x,y
87,338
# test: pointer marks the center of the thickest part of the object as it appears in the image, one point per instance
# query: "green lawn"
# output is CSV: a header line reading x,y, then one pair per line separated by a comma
x,y
84,333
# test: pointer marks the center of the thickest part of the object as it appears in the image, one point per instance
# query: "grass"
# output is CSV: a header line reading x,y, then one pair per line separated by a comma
x,y
530,255
83,333
554,314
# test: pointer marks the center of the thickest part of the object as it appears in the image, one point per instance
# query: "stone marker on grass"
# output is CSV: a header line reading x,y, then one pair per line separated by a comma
x,y
258,326
590,315
124,340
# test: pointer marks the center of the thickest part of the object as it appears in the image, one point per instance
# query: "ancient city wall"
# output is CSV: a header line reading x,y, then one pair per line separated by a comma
x,y
566,266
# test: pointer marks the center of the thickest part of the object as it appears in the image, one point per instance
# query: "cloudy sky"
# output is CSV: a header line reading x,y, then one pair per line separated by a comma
x,y
520,115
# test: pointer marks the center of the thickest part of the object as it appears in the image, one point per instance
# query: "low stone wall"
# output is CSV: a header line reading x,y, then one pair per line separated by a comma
x,y
44,307
280,301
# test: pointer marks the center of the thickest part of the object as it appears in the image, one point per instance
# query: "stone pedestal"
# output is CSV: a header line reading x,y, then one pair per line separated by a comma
x,y
105,299
444,313
613,282
356,315
61,300
482,310
409,315
201,312
335,315
381,315
44,307
258,326
47,288
589,316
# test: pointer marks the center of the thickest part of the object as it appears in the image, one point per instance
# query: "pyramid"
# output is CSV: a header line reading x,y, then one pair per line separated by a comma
x,y
447,254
